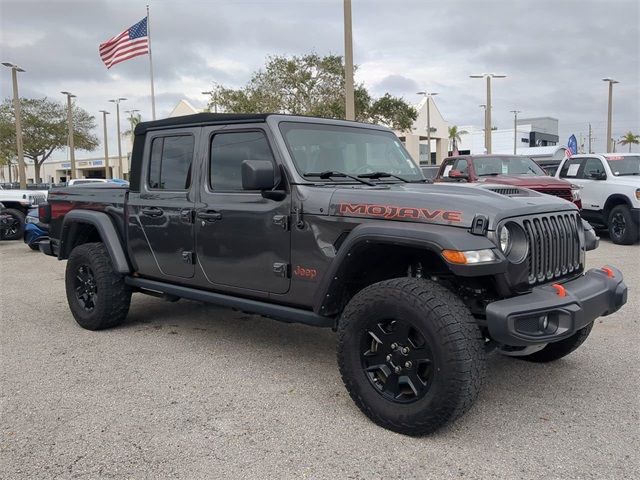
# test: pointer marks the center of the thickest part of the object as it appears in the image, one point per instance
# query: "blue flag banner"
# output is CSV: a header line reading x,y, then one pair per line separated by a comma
x,y
572,145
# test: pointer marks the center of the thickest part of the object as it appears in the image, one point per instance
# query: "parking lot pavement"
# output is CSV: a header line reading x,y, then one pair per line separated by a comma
x,y
185,390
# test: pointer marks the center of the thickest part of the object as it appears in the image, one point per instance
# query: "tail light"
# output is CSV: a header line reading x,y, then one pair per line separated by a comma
x,y
44,212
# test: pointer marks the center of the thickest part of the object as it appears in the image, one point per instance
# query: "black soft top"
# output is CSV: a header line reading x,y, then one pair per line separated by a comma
x,y
201,119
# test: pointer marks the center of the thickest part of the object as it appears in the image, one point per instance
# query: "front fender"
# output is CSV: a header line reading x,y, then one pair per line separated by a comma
x,y
434,238
106,230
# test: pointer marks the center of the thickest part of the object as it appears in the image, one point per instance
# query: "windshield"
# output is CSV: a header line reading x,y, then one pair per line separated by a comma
x,y
624,165
354,151
506,166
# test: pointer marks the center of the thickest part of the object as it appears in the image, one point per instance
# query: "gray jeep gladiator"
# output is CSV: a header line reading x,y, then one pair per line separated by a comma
x,y
330,223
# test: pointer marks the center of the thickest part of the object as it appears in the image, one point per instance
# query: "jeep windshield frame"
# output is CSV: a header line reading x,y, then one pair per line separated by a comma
x,y
353,150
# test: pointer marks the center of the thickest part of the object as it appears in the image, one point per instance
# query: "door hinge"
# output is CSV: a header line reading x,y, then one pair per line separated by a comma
x,y
281,221
299,217
281,269
188,216
189,257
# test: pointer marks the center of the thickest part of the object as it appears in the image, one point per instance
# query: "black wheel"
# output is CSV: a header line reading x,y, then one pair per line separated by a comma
x,y
410,355
97,295
557,350
622,229
14,230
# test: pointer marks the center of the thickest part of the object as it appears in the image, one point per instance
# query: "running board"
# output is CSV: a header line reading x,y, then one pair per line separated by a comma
x,y
278,312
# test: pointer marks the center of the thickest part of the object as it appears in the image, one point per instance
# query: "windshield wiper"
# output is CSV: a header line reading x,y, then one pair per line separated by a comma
x,y
333,173
375,175
488,174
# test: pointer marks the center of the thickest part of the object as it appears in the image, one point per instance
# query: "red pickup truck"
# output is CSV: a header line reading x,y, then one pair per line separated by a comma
x,y
513,170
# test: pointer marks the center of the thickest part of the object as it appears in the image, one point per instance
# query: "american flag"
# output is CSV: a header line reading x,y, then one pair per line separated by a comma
x,y
132,42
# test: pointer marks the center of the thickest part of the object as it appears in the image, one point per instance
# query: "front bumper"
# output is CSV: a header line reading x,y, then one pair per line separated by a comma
x,y
553,312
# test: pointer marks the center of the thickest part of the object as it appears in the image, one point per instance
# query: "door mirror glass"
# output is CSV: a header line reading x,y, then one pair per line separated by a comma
x,y
457,174
598,175
258,175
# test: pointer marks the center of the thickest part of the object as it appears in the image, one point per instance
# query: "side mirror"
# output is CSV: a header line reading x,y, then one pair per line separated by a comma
x,y
598,175
457,174
258,175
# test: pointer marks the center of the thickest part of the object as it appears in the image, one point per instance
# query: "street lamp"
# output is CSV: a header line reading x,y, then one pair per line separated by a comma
x,y
611,82
18,113
515,128
484,108
117,102
72,154
106,145
487,117
428,96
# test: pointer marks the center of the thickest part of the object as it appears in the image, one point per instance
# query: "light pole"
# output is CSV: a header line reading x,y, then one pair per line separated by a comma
x,y
487,117
106,144
17,107
428,96
350,109
484,116
214,96
515,129
117,102
611,82
72,154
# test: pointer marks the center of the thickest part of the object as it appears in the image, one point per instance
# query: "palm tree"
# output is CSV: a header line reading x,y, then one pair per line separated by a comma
x,y
629,139
454,137
134,120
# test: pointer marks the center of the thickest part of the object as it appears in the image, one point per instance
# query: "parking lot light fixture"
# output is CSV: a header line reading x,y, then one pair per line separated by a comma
x,y
610,144
17,107
72,155
117,102
107,174
487,116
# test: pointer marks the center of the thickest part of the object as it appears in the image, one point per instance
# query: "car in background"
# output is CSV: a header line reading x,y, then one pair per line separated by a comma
x,y
511,170
34,230
85,181
610,191
550,166
16,203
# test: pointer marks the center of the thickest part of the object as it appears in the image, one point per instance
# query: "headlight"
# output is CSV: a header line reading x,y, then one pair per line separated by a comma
x,y
575,192
505,239
638,193
30,219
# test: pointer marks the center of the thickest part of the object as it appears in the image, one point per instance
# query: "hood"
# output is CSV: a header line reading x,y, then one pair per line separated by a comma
x,y
527,181
440,203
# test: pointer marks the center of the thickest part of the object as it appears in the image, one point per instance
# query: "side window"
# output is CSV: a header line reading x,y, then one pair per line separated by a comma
x,y
228,151
170,163
592,167
570,168
462,166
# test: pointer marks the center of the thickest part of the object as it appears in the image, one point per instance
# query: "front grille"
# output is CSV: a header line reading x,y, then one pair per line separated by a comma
x,y
554,246
564,193
38,198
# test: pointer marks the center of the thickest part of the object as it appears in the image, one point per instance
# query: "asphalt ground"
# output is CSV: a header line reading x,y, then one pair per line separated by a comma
x,y
186,390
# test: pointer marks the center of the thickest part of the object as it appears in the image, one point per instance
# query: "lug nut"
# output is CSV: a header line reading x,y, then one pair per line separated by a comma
x,y
388,358
408,364
397,369
394,346
405,350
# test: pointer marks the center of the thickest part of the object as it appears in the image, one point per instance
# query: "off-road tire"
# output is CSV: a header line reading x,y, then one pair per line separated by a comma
x,y
556,350
631,229
17,214
453,336
113,296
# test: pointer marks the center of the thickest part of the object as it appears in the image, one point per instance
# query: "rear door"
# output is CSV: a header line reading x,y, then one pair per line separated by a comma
x,y
243,238
161,228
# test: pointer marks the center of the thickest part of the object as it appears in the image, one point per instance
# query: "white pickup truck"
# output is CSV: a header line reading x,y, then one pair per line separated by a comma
x,y
610,191
17,203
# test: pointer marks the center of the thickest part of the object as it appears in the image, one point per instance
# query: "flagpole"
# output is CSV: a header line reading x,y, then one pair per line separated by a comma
x,y
153,95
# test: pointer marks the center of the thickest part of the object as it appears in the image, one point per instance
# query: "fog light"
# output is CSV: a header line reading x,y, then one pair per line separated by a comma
x,y
544,323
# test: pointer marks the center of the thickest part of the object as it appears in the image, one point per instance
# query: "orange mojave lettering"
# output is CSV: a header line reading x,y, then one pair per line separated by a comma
x,y
389,211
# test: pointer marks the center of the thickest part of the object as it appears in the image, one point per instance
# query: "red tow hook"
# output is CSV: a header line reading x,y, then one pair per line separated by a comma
x,y
560,290
608,271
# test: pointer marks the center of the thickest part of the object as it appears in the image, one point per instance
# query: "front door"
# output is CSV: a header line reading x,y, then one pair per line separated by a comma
x,y
242,237
161,228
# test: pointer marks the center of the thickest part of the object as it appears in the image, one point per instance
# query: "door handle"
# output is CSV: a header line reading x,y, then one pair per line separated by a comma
x,y
152,211
210,215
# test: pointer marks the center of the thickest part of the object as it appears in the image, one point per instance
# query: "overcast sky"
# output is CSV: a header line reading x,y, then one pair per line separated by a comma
x,y
554,52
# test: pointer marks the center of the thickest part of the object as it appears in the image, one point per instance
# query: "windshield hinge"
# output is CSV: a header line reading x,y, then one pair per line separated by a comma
x,y
281,221
299,219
